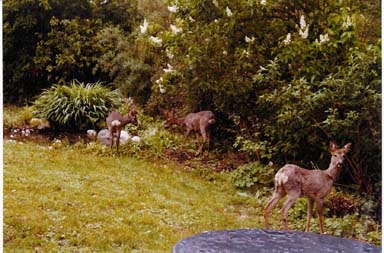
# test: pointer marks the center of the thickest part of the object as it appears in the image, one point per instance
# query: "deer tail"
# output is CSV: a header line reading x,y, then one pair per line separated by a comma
x,y
280,179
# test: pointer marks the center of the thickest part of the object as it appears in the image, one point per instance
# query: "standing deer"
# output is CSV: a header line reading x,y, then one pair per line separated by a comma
x,y
199,122
116,123
297,182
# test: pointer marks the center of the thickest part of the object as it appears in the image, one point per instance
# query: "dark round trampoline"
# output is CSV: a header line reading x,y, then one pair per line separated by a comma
x,y
266,241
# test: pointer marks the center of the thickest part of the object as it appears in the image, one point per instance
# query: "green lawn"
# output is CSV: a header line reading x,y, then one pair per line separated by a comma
x,y
67,200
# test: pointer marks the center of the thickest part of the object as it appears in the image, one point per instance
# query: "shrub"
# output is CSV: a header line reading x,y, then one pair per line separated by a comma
x,y
14,117
76,106
154,139
340,205
251,174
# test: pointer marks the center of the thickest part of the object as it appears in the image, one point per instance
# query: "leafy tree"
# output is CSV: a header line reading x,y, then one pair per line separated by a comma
x,y
119,60
68,51
52,40
23,22
288,74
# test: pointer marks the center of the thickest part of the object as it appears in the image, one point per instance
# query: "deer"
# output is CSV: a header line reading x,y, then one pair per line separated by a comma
x,y
116,122
199,122
315,185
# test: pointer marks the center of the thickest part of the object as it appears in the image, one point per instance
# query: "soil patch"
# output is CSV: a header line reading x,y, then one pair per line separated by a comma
x,y
43,137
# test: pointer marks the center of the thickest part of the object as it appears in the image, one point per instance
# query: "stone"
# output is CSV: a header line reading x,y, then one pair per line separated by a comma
x,y
105,138
39,123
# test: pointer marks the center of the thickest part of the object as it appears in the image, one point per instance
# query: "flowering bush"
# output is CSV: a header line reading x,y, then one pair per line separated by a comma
x,y
295,74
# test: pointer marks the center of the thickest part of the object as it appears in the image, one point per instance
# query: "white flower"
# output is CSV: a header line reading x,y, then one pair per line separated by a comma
x,y
347,22
159,81
304,33
303,24
215,3
287,39
151,132
225,52
248,40
144,26
169,54
168,69
156,40
263,2
228,11
303,28
175,29
173,8
161,89
324,38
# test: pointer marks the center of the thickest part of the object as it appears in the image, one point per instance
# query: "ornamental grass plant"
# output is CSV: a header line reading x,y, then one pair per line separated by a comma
x,y
76,106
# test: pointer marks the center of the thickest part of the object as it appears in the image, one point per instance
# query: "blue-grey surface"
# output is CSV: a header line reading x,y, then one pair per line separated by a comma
x,y
268,241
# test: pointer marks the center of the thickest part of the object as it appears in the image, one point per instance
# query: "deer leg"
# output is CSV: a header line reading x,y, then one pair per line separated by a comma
x,y
197,139
288,204
309,214
270,205
111,135
319,207
118,140
186,135
208,140
204,135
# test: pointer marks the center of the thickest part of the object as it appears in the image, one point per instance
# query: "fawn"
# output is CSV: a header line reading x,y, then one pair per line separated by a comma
x,y
199,122
116,123
295,182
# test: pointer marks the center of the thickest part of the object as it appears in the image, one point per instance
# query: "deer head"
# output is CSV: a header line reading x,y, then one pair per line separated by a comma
x,y
338,155
171,119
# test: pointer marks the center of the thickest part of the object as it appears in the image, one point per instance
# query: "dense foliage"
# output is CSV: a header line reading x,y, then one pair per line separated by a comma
x,y
282,77
76,106
290,75
49,41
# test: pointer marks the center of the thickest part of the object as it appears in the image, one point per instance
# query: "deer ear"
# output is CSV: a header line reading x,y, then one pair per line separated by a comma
x,y
332,147
347,147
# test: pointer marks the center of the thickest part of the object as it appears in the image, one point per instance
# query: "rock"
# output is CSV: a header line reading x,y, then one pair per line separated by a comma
x,y
136,139
40,123
124,137
105,138
91,134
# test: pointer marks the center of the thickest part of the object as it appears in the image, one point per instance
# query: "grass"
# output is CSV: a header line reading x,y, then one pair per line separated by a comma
x,y
64,200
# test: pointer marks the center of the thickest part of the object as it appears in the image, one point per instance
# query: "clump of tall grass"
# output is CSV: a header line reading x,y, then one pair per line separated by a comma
x,y
76,106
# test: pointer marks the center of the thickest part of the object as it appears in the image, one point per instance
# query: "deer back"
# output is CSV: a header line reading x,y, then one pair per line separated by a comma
x,y
310,183
112,116
115,119
130,117
200,120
